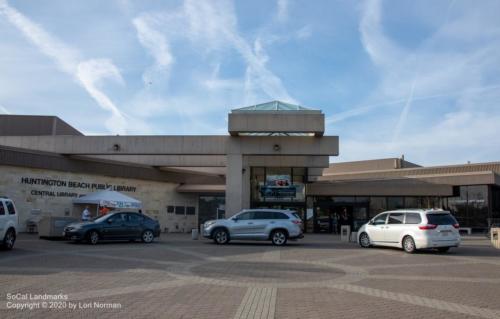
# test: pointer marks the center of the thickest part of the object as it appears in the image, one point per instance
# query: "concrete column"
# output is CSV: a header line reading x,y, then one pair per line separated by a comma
x,y
237,185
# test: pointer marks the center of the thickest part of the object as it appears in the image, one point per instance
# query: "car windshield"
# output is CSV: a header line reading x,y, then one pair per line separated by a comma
x,y
441,219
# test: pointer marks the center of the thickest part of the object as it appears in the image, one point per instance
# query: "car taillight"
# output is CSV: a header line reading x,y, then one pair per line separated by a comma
x,y
457,226
426,227
297,221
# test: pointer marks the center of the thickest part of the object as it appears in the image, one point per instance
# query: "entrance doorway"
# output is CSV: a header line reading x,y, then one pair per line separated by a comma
x,y
210,207
329,218
329,213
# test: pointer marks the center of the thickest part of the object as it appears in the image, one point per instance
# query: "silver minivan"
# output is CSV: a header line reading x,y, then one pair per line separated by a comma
x,y
256,224
411,229
8,223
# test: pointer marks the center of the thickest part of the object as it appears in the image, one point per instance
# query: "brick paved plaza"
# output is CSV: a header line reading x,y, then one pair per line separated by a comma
x,y
318,277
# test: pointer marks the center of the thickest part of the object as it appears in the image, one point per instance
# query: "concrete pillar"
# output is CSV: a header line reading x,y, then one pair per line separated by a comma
x,y
237,185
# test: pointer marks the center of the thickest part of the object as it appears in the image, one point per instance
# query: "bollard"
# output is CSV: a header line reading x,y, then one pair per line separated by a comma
x,y
345,233
495,237
194,234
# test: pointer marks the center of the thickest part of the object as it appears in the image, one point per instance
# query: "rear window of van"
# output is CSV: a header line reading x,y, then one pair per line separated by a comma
x,y
441,219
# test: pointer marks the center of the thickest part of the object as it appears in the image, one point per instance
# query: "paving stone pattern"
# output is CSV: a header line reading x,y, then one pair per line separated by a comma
x,y
317,277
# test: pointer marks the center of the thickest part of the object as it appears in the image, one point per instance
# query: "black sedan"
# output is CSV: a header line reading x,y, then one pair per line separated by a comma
x,y
114,226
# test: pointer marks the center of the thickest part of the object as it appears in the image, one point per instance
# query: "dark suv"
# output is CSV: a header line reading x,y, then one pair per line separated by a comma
x,y
114,226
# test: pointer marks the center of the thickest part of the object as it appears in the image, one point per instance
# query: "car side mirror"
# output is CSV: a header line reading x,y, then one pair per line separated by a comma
x,y
109,220
235,219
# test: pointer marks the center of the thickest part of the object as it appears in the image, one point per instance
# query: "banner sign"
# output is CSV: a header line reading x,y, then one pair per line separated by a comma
x,y
278,187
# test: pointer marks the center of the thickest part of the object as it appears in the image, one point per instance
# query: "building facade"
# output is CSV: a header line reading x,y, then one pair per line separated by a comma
x,y
275,156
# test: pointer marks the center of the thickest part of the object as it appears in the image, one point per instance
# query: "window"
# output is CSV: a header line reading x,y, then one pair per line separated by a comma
x,y
118,218
10,208
441,219
277,215
246,216
190,210
2,209
395,203
413,202
170,209
380,220
396,218
179,210
262,215
413,218
377,205
135,218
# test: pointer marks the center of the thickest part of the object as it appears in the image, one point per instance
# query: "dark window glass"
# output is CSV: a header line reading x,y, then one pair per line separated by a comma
x,y
413,218
343,199
262,215
135,218
170,209
441,219
210,207
2,209
413,202
179,210
396,218
477,205
190,210
380,220
10,208
246,216
395,203
277,215
377,205
118,218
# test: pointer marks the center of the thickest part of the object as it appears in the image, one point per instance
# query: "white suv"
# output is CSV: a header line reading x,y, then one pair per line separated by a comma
x,y
8,223
411,229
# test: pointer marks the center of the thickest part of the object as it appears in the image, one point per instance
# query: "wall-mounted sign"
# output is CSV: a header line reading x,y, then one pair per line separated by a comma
x,y
70,184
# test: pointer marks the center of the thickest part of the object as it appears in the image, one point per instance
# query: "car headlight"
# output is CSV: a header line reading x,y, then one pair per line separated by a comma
x,y
209,223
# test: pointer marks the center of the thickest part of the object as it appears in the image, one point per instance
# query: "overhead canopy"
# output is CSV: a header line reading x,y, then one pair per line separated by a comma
x,y
109,198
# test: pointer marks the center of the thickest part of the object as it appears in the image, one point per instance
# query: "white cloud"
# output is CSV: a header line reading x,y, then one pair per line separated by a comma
x,y
210,28
282,13
156,44
455,63
4,110
304,32
88,73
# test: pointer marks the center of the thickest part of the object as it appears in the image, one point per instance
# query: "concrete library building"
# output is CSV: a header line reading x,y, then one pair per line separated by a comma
x,y
275,155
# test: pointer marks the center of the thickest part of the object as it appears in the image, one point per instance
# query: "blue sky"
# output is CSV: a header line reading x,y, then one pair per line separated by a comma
x,y
419,78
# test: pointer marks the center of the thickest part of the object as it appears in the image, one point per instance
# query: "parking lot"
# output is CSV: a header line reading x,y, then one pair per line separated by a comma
x,y
317,277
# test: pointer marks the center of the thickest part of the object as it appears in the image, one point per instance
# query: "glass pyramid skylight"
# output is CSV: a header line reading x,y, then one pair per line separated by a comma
x,y
274,106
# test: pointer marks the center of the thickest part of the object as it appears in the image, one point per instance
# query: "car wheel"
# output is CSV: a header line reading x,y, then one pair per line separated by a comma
x,y
93,237
9,239
221,236
409,245
279,237
443,249
364,240
147,236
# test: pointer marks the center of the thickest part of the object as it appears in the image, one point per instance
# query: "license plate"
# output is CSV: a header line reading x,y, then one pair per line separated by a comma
x,y
445,233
